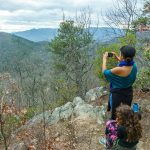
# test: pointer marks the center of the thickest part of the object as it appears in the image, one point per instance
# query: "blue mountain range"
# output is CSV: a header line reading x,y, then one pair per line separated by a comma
x,y
102,34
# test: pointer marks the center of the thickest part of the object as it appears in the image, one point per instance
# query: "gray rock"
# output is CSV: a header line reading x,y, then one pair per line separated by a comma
x,y
92,94
81,110
66,111
97,112
78,101
100,112
63,112
38,118
55,116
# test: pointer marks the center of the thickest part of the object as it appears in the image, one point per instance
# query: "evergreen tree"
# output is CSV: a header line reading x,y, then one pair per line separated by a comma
x,y
71,60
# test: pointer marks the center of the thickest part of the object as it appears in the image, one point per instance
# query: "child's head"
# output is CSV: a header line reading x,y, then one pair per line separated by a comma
x,y
127,118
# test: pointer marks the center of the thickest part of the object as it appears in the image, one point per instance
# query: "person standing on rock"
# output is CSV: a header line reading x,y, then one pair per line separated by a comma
x,y
121,78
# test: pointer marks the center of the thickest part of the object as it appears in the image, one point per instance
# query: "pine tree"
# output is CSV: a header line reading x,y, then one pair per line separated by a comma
x,y
71,56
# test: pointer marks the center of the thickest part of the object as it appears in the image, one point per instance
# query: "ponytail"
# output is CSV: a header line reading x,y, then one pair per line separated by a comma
x,y
128,59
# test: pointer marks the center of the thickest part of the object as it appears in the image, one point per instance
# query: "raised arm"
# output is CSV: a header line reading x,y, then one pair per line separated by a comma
x,y
104,67
116,56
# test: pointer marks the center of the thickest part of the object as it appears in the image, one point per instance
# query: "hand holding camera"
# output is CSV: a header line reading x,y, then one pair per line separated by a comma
x,y
107,54
112,54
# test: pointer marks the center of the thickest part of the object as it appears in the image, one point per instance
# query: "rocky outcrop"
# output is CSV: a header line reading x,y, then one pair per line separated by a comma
x,y
95,93
78,107
38,118
75,109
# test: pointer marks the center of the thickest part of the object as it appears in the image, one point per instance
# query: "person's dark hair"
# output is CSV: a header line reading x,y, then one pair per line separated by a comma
x,y
128,52
127,118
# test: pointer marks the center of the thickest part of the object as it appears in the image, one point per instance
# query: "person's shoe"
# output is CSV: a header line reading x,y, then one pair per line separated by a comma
x,y
102,141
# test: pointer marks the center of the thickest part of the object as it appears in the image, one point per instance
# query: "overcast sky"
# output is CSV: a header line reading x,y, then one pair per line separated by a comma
x,y
19,15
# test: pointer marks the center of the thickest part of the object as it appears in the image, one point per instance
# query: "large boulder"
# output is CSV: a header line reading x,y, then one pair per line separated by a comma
x,y
100,112
38,118
63,112
88,110
78,101
66,111
93,94
81,110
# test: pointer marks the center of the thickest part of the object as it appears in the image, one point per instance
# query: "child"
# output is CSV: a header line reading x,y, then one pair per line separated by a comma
x,y
125,132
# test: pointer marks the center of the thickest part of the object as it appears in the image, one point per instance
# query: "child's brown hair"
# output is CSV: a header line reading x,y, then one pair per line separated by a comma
x,y
130,120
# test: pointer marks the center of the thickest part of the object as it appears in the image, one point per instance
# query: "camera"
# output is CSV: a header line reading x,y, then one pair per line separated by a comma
x,y
110,54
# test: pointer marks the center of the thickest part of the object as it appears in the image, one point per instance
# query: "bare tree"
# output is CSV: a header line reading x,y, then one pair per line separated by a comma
x,y
2,122
8,88
43,94
122,15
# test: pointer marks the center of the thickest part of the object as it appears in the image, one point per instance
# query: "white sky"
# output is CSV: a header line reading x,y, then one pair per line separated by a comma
x,y
19,15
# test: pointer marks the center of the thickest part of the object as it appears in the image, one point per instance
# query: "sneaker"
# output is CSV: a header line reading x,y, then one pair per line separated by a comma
x,y
102,141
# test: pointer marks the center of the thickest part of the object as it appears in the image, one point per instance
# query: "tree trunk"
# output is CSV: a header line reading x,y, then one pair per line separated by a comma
x,y
79,81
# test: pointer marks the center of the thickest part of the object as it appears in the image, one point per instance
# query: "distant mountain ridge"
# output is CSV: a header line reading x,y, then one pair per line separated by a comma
x,y
15,49
37,35
47,34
